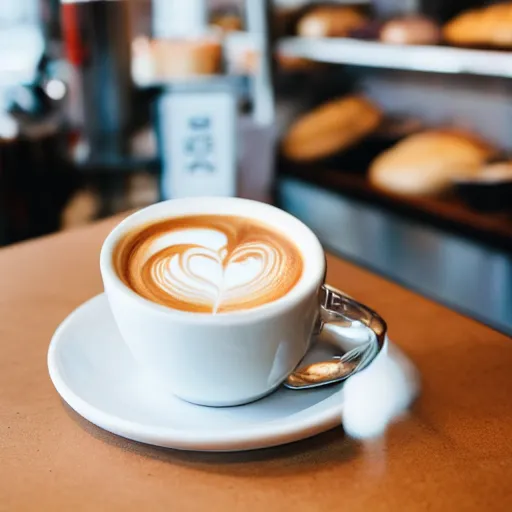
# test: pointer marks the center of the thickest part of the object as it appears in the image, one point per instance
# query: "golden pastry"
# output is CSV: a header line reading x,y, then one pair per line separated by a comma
x,y
410,30
330,21
175,58
331,128
227,22
428,162
488,26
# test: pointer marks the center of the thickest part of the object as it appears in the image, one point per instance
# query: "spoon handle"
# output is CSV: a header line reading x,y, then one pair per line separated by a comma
x,y
335,307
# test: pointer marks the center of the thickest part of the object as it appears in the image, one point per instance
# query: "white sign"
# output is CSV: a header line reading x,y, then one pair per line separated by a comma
x,y
198,143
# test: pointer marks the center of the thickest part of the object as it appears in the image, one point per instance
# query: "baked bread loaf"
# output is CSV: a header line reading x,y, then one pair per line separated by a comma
x,y
410,30
174,58
331,128
330,21
488,26
428,162
227,22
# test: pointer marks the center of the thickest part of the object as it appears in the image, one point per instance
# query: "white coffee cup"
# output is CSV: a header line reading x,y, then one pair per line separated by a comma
x,y
224,359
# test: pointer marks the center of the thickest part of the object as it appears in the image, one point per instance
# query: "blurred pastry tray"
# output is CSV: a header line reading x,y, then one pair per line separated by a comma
x,y
433,59
445,212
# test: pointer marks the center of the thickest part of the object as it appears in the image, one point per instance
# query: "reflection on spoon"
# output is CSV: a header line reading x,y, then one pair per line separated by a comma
x,y
319,373
335,370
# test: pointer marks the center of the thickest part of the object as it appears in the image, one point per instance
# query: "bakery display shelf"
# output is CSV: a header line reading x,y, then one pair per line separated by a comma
x,y
448,212
434,59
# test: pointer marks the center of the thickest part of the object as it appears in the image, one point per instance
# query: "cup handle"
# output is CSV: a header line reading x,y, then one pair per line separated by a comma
x,y
346,314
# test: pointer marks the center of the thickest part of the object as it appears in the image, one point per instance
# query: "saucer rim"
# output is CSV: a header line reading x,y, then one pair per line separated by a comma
x,y
248,438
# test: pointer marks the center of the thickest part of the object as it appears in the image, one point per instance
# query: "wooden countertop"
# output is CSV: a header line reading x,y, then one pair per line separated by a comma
x,y
452,453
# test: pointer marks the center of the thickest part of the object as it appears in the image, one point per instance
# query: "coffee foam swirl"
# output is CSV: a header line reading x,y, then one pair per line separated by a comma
x,y
208,263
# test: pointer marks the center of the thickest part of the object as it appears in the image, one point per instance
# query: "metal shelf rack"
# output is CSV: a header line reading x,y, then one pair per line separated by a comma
x,y
433,59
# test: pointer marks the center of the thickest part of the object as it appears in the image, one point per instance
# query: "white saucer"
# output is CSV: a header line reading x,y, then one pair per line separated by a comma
x,y
94,373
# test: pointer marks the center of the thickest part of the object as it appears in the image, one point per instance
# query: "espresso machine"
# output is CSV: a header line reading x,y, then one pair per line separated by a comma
x,y
35,181
97,49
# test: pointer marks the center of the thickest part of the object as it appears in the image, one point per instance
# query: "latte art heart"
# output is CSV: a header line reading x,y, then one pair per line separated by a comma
x,y
211,264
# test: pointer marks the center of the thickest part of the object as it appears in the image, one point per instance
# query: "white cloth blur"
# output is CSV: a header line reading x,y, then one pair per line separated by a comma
x,y
380,394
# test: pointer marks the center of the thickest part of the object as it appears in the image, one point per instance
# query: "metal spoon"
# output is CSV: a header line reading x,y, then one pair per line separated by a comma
x,y
347,315
335,370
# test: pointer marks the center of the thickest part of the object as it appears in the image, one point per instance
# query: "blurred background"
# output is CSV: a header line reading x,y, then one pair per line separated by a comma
x,y
385,125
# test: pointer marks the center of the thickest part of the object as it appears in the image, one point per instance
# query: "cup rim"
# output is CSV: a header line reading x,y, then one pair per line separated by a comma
x,y
246,316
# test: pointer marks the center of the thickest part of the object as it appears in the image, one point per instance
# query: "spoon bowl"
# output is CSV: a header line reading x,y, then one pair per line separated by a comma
x,y
349,316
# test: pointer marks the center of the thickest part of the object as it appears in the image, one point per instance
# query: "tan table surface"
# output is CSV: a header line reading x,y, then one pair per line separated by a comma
x,y
453,452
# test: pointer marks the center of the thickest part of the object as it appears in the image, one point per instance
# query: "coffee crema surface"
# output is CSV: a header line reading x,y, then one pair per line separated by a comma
x,y
208,263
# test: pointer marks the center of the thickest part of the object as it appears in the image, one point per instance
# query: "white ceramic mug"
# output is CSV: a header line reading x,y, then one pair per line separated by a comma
x,y
230,358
